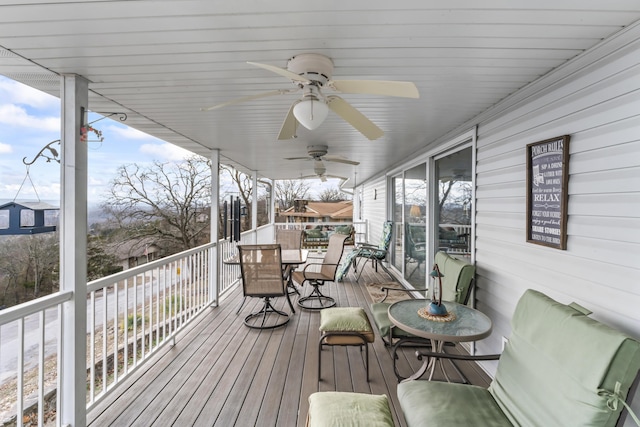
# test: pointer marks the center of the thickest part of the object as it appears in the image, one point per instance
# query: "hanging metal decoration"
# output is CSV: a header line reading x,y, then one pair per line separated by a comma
x,y
34,217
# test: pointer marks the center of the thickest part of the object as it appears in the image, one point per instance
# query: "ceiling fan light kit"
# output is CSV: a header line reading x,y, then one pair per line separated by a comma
x,y
311,111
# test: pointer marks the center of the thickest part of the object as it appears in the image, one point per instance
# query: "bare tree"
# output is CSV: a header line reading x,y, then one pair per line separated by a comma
x,y
333,194
162,200
288,190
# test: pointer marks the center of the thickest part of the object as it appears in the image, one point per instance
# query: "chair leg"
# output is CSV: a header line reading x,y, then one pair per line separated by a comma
x,y
316,295
266,309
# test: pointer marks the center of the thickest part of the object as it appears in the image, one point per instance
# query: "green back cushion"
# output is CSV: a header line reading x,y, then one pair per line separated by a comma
x,y
457,277
331,409
344,229
556,361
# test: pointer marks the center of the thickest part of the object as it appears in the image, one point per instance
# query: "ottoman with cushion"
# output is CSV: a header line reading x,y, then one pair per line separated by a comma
x,y
345,326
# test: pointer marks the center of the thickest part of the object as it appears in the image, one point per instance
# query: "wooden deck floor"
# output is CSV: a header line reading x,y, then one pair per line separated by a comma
x,y
219,372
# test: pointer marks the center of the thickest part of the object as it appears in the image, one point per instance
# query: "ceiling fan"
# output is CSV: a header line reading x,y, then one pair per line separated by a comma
x,y
318,153
312,73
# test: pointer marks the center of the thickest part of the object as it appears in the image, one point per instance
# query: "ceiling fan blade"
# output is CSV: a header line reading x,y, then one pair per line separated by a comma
x,y
297,158
283,72
354,117
249,98
289,126
376,87
337,177
339,159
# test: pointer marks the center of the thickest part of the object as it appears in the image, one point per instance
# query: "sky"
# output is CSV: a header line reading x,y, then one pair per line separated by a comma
x,y
30,119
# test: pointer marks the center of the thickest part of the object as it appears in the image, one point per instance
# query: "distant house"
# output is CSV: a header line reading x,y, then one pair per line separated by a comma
x,y
310,211
136,252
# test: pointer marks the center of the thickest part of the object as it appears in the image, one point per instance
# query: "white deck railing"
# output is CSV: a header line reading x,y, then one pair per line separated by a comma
x,y
130,315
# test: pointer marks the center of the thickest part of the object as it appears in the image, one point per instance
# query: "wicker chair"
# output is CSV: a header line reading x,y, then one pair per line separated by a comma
x,y
261,267
316,300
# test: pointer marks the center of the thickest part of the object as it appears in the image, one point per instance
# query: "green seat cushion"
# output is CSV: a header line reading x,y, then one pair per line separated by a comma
x,y
332,409
433,404
380,313
556,361
340,319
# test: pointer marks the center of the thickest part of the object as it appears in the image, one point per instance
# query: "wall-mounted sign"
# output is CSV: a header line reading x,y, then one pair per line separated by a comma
x,y
547,182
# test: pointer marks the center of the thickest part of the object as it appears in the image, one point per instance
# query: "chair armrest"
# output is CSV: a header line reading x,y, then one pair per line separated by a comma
x,y
304,270
386,291
366,246
421,354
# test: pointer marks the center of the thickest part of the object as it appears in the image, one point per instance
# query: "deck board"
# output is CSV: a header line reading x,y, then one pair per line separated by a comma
x,y
219,372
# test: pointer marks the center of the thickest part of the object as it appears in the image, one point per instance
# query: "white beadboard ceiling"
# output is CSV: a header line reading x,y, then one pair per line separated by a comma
x,y
161,61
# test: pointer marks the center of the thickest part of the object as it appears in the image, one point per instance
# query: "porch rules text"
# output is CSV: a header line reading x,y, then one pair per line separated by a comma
x,y
547,192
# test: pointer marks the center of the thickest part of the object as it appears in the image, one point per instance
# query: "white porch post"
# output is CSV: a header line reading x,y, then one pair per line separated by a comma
x,y
214,274
272,202
73,253
254,201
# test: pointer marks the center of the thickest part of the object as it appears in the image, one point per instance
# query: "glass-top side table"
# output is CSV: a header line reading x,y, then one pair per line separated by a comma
x,y
469,325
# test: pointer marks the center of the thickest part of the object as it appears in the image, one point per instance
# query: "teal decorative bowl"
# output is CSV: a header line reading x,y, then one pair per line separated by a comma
x,y
436,309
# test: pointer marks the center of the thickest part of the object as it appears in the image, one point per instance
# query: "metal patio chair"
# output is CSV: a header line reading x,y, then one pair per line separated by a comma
x,y
373,253
316,300
261,268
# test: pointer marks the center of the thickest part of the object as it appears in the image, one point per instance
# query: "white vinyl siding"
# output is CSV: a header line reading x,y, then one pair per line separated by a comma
x,y
596,100
374,207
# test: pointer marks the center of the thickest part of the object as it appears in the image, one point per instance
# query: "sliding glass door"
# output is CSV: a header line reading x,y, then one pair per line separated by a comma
x,y
454,176
409,213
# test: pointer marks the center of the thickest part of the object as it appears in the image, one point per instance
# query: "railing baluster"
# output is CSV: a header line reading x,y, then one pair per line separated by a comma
x,y
144,311
164,302
20,369
116,341
92,345
59,367
41,337
125,326
105,338
135,320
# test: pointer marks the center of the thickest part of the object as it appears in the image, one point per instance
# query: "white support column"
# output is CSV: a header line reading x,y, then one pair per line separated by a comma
x,y
73,252
214,275
272,202
254,202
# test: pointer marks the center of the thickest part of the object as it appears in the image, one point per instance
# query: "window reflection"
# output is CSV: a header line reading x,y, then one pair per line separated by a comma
x,y
455,197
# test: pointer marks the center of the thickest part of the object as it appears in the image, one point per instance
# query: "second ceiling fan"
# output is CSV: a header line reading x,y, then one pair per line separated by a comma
x,y
312,73
318,153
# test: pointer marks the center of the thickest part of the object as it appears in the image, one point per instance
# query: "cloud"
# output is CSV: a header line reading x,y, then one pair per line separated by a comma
x,y
165,151
13,115
5,148
129,132
13,92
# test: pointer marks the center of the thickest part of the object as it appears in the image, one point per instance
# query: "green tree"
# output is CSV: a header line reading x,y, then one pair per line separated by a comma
x,y
99,262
